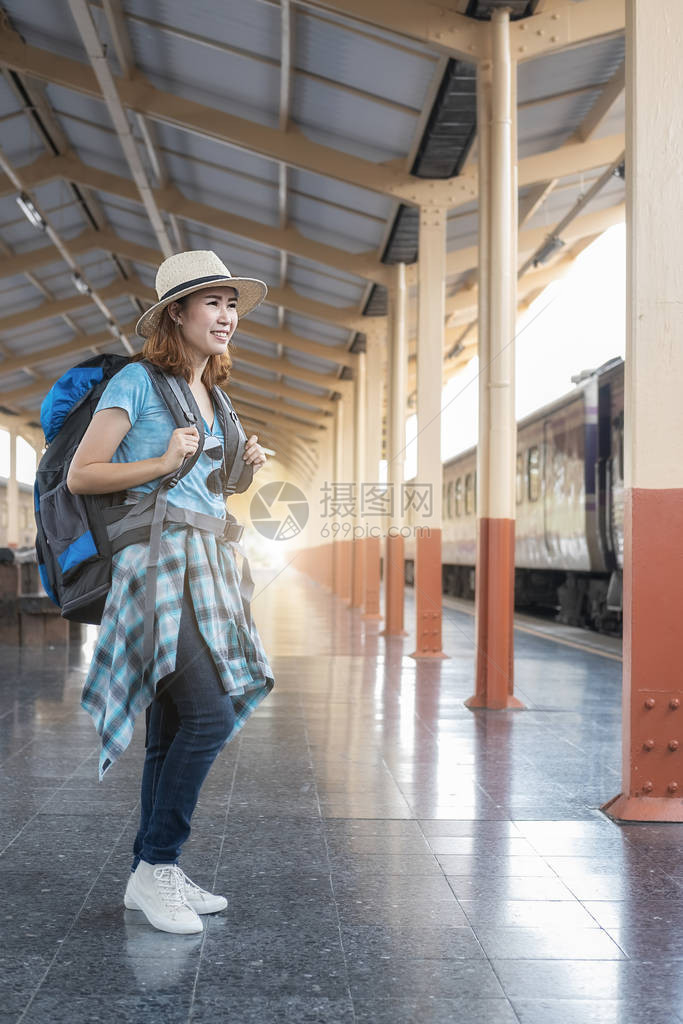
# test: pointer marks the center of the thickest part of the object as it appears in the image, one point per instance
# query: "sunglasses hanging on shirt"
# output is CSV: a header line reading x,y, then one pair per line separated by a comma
x,y
215,481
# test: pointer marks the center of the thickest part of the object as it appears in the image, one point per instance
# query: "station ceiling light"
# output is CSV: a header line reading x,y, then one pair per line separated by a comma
x,y
550,246
80,284
30,211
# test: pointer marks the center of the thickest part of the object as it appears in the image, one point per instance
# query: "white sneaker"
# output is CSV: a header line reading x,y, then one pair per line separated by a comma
x,y
158,890
200,900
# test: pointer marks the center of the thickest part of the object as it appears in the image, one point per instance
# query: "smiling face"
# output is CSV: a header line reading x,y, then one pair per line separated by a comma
x,y
208,319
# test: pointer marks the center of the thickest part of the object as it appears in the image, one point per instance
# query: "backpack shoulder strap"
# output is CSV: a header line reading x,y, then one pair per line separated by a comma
x,y
176,394
233,453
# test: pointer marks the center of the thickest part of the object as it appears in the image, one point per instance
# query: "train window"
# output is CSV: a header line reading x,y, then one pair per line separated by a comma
x,y
449,499
458,496
469,494
534,473
520,478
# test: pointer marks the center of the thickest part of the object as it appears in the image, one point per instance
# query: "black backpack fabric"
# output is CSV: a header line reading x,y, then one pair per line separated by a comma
x,y
77,534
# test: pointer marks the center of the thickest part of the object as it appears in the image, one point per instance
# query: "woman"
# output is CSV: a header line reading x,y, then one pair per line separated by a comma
x,y
210,670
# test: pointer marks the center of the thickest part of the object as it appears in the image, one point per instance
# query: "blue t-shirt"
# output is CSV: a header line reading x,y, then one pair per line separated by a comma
x,y
150,434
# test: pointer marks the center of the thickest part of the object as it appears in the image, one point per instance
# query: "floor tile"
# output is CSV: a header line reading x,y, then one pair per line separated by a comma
x,y
387,854
547,943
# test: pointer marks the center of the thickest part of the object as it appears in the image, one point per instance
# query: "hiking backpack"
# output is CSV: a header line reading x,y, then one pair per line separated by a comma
x,y
77,534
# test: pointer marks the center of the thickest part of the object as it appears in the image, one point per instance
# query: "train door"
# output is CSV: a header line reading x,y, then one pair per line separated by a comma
x,y
567,497
548,490
615,483
593,492
603,475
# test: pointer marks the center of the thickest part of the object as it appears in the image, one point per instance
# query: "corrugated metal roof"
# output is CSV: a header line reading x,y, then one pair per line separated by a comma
x,y
355,88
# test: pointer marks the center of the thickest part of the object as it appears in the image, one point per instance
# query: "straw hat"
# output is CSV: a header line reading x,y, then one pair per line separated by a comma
x,y
187,272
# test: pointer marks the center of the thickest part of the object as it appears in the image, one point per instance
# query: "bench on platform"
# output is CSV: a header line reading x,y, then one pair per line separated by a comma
x,y
28,617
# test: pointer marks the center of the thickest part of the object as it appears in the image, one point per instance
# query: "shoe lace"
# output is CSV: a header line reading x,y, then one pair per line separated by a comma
x,y
171,886
193,888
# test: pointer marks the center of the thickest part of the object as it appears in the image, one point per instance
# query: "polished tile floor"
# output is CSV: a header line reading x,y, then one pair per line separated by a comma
x,y
387,854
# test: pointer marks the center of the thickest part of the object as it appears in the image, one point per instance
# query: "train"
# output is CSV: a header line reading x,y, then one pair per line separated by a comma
x,y
569,531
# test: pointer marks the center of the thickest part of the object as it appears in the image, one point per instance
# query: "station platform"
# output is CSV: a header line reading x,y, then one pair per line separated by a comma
x,y
387,854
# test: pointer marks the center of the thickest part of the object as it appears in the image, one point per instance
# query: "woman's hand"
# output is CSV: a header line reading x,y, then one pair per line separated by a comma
x,y
254,453
182,445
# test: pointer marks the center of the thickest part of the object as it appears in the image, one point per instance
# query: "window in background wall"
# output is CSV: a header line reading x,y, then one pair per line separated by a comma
x,y
26,459
4,453
26,462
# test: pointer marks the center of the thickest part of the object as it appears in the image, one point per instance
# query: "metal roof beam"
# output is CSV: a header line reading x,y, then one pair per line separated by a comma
x,y
118,30
465,308
110,93
289,369
170,199
59,307
306,418
555,28
591,122
445,30
291,147
286,297
318,403
85,342
63,251
228,51
41,385
570,159
280,336
256,411
460,260
566,26
91,239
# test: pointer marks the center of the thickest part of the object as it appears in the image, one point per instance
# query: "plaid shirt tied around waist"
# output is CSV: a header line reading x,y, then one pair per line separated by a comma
x,y
119,684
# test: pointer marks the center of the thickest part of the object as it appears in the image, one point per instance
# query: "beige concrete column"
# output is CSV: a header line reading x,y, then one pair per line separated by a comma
x,y
359,476
652,692
496,450
12,493
394,557
324,543
336,475
429,368
347,484
372,521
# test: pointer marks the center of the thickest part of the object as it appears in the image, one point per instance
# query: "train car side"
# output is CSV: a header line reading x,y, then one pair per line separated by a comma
x,y
569,507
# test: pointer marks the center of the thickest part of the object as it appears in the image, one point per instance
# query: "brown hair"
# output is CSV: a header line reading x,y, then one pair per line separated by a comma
x,y
165,348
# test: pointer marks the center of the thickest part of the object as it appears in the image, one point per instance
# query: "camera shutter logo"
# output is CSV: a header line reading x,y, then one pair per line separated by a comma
x,y
279,510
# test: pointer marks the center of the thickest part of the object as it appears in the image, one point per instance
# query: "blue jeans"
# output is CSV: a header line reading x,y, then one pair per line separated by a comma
x,y
188,723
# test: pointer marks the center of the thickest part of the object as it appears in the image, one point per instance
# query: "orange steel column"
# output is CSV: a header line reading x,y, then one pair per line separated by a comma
x,y
430,335
496,448
358,547
652,692
394,558
372,510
